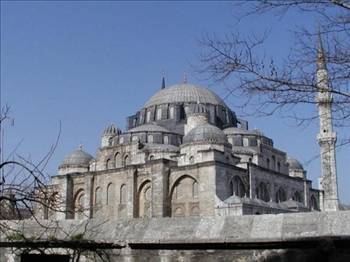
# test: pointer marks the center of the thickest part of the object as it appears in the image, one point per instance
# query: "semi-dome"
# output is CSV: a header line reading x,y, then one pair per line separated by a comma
x,y
184,93
294,164
77,158
205,133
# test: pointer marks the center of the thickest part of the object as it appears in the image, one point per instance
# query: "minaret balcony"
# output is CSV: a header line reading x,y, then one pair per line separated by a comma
x,y
328,137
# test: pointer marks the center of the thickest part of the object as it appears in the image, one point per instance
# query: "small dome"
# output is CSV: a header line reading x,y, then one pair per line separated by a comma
x,y
77,158
294,164
205,133
111,130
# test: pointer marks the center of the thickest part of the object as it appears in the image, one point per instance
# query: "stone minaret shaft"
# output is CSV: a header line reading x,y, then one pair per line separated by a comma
x,y
326,137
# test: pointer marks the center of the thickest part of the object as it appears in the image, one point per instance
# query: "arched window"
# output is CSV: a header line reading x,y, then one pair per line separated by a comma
x,y
278,166
253,141
79,204
166,140
184,196
297,197
182,112
262,192
227,117
314,204
144,200
150,139
194,189
98,197
151,157
108,164
117,159
245,141
141,118
159,113
281,195
122,195
110,194
191,159
237,140
267,162
126,160
273,162
179,140
148,116
238,188
171,112
110,141
134,121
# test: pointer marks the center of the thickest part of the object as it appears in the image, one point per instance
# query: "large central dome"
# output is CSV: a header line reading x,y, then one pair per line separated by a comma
x,y
184,93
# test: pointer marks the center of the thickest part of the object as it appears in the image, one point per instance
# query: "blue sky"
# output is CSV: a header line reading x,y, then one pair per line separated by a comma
x,y
88,64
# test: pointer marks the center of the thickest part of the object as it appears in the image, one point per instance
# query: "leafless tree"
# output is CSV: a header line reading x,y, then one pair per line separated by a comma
x,y
271,87
26,201
24,186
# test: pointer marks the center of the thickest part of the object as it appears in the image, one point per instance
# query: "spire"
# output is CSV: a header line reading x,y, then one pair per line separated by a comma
x,y
321,57
163,80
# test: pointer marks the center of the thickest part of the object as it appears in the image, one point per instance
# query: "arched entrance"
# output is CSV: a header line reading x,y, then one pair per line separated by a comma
x,y
184,197
144,200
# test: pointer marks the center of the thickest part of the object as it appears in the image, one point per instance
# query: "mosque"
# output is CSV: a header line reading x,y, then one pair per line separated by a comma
x,y
185,153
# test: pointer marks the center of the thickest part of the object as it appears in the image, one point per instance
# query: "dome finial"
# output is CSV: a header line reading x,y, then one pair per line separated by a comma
x,y
163,80
185,78
80,147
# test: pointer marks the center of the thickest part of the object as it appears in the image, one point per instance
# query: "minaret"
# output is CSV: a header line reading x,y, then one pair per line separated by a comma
x,y
326,137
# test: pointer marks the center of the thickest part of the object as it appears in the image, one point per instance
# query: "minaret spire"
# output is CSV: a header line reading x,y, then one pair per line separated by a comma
x,y
326,137
321,58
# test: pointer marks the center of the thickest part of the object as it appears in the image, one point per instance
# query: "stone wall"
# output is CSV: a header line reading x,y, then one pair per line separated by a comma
x,y
318,236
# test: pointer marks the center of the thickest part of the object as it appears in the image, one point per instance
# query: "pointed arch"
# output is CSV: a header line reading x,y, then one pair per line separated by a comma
x,y
118,160
122,194
144,197
110,196
126,160
262,192
297,196
237,187
184,196
98,196
280,195
79,204
108,163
